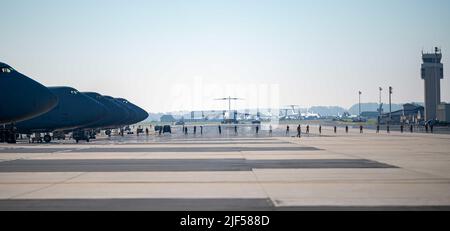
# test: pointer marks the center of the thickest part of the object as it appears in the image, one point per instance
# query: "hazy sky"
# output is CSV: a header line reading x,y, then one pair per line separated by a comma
x,y
167,55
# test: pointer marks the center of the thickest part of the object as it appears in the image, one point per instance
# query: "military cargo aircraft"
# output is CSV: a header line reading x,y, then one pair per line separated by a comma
x,y
120,114
27,107
73,111
21,98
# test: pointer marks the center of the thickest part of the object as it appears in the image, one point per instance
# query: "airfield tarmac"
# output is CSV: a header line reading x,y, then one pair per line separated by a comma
x,y
330,171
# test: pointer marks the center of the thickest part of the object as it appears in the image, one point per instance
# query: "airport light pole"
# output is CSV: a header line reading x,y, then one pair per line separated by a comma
x,y
379,106
390,103
359,94
381,89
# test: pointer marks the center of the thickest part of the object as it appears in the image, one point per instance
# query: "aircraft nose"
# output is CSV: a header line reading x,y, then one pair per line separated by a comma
x,y
144,114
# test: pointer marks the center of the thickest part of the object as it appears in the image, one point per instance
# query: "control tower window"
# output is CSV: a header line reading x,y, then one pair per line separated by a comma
x,y
428,60
7,70
432,60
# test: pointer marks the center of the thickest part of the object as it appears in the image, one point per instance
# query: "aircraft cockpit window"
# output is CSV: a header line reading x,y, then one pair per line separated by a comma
x,y
73,92
7,70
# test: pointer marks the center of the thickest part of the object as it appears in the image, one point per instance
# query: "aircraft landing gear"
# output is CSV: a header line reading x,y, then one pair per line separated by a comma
x,y
91,134
77,140
47,138
59,135
37,138
80,135
8,135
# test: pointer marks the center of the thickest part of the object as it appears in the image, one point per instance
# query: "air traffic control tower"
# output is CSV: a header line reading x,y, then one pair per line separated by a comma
x,y
432,72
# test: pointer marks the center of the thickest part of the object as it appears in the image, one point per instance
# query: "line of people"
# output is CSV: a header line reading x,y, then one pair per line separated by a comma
x,y
185,129
402,128
299,130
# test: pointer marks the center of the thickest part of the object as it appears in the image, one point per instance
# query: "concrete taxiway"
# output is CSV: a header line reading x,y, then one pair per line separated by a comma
x,y
330,171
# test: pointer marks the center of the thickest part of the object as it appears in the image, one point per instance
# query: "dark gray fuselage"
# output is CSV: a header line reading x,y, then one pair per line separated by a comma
x,y
22,98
